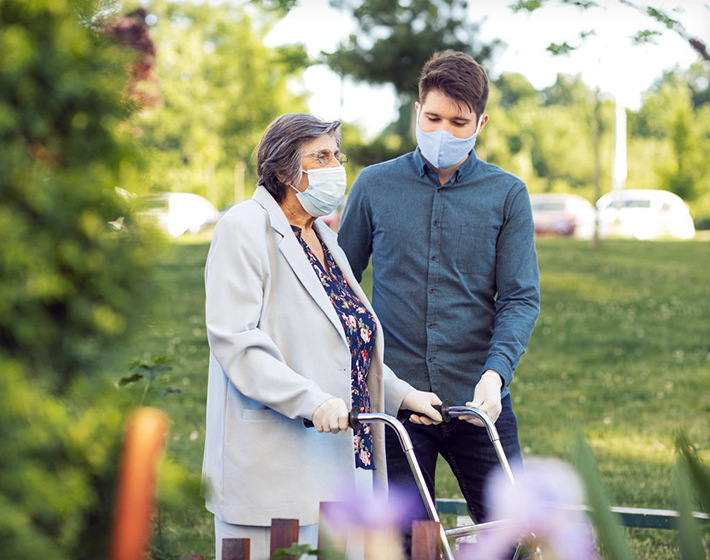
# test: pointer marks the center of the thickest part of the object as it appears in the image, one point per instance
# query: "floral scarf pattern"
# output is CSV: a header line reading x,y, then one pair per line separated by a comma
x,y
359,326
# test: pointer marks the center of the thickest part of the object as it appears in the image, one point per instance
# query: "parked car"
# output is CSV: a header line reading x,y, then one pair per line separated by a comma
x,y
644,214
178,213
563,214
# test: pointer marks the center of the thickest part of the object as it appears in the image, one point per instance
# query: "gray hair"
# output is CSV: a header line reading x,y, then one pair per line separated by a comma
x,y
279,151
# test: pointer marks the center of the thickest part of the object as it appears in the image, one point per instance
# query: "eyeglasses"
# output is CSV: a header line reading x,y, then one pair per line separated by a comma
x,y
324,157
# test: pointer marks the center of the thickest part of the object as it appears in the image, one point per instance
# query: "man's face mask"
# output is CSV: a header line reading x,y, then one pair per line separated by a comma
x,y
442,149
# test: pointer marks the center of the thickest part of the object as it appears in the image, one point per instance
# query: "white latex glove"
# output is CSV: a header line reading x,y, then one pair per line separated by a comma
x,y
421,401
486,396
331,416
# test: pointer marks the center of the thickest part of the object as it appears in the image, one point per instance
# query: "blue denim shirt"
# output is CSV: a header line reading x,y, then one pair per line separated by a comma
x,y
455,277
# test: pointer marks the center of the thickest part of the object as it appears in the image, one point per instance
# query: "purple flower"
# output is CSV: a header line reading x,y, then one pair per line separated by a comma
x,y
545,502
366,510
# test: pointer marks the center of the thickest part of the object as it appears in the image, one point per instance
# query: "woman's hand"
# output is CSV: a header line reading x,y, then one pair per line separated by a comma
x,y
331,416
486,396
420,401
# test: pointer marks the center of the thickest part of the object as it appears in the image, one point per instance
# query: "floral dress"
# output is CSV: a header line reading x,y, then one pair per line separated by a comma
x,y
359,326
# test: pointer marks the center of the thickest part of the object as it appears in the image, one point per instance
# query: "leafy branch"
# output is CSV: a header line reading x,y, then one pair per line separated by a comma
x,y
149,372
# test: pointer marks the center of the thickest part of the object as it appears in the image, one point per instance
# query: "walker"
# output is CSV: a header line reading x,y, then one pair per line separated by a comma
x,y
448,414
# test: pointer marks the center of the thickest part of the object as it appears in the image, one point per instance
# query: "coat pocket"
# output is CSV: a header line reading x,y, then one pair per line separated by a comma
x,y
260,414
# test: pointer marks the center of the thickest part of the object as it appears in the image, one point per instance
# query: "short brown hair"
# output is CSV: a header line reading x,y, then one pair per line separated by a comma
x,y
458,76
278,155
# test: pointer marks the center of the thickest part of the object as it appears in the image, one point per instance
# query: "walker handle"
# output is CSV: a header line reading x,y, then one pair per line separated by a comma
x,y
402,415
353,423
442,409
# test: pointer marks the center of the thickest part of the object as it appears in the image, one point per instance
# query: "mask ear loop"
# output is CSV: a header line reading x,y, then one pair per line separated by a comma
x,y
294,188
478,126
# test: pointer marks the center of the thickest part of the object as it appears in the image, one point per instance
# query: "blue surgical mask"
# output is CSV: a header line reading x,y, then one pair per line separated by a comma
x,y
443,150
325,192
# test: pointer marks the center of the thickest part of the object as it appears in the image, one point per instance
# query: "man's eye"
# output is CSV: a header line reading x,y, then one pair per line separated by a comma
x,y
459,124
433,119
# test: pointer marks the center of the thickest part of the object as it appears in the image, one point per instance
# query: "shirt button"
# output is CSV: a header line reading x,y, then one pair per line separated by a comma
x,y
433,258
440,189
436,222
432,290
430,360
431,325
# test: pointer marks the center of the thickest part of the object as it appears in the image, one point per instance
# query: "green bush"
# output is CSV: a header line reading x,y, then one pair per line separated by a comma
x,y
70,286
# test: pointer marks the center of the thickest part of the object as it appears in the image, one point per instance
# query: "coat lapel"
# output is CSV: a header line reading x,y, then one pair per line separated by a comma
x,y
292,251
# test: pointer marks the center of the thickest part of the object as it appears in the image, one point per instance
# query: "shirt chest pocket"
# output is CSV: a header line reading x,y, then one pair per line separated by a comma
x,y
476,250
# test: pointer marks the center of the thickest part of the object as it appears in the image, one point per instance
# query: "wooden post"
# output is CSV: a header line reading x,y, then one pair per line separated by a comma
x,y
236,549
143,447
426,540
284,532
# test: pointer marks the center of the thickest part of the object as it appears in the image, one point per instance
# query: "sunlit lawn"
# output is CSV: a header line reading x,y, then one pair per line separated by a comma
x,y
621,352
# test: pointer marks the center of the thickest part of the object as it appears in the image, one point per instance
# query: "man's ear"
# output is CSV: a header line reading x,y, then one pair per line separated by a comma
x,y
484,120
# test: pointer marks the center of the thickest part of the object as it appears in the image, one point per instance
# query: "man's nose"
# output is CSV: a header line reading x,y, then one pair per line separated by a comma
x,y
449,127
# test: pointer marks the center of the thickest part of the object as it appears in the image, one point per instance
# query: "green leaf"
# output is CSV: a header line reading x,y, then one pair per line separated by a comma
x,y
609,531
558,49
130,379
690,539
646,36
140,368
169,391
528,6
581,3
698,472
296,551
662,17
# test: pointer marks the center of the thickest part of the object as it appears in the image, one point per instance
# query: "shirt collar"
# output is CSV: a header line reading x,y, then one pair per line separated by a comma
x,y
463,171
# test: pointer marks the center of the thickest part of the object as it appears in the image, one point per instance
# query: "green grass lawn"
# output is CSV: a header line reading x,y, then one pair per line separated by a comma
x,y
621,352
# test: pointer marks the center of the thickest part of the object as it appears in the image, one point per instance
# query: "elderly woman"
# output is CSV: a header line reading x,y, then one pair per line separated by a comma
x,y
292,336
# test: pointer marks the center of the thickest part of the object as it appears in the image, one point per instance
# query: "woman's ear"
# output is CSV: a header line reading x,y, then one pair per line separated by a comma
x,y
281,178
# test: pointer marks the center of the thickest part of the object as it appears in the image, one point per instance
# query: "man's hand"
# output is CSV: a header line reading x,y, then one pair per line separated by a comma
x,y
331,416
486,397
420,401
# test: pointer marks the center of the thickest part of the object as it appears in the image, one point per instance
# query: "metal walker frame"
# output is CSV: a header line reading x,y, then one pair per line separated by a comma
x,y
448,413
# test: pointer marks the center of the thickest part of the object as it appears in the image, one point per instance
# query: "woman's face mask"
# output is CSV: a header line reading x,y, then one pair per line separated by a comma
x,y
325,192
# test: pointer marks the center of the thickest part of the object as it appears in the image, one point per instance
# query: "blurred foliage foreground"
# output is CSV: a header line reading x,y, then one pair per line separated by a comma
x,y
70,288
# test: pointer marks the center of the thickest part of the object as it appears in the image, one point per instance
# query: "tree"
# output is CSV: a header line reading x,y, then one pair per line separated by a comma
x,y
220,88
69,286
662,20
669,120
513,88
392,42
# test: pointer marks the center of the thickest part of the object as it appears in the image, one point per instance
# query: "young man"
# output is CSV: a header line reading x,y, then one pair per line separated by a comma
x,y
455,277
